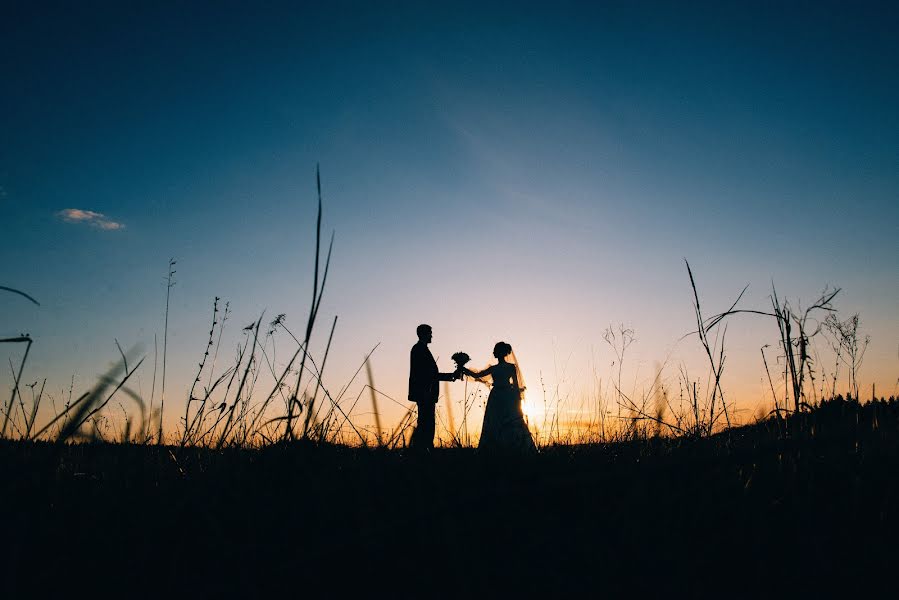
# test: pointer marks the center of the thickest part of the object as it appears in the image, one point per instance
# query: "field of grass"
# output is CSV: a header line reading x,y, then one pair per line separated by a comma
x,y
784,507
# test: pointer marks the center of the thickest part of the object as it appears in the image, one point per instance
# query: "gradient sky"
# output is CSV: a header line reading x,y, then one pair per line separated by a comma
x,y
525,172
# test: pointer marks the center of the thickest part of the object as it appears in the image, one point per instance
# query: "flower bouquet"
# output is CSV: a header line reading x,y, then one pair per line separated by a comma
x,y
461,359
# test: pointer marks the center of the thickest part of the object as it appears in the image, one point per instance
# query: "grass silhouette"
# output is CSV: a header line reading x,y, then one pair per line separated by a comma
x,y
803,503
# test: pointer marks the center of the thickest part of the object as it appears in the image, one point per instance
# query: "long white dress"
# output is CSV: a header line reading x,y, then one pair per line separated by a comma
x,y
504,427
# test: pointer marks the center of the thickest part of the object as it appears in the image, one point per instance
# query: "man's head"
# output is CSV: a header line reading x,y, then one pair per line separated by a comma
x,y
424,333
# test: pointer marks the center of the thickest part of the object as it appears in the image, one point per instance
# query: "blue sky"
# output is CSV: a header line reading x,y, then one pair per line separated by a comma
x,y
529,172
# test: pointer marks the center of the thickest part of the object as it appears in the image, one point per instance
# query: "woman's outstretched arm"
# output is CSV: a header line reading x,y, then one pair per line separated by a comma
x,y
478,374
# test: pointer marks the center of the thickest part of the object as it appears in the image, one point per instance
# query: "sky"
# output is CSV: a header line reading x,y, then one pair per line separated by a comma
x,y
526,172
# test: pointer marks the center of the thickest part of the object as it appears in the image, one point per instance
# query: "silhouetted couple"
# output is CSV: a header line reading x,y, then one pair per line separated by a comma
x,y
504,428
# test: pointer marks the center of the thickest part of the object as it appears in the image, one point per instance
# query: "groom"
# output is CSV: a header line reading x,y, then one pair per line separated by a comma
x,y
423,388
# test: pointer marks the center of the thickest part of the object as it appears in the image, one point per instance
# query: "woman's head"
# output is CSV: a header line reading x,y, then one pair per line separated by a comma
x,y
502,350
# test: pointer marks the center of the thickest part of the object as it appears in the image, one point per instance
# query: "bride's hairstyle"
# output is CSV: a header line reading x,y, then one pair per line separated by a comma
x,y
502,349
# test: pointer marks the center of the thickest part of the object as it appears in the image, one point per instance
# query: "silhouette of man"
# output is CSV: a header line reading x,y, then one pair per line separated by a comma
x,y
424,378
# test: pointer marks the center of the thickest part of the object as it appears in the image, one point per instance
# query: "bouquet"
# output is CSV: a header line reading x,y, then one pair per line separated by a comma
x,y
460,358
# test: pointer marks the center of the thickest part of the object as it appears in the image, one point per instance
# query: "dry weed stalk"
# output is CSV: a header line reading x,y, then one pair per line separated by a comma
x,y
795,336
165,338
711,350
847,348
22,339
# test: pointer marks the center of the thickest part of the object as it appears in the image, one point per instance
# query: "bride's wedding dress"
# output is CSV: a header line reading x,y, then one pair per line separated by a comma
x,y
504,427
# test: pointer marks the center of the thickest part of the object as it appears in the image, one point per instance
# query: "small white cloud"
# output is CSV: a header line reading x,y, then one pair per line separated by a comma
x,y
89,217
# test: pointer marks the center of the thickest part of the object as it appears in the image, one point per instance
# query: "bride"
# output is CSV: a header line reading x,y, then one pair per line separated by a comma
x,y
504,427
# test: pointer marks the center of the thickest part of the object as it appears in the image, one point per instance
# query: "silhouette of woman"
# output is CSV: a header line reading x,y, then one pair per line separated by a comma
x,y
504,428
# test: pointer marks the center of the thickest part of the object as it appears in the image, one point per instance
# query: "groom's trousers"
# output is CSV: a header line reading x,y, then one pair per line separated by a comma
x,y
423,436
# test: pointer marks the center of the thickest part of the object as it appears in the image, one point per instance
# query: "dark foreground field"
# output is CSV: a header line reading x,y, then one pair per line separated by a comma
x,y
789,509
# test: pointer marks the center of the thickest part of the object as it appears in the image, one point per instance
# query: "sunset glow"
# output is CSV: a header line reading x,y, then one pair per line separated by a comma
x,y
497,185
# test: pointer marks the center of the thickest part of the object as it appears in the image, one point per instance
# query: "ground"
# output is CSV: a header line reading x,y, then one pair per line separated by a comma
x,y
790,508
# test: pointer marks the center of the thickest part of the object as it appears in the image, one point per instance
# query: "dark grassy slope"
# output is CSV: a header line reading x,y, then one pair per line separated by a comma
x,y
806,505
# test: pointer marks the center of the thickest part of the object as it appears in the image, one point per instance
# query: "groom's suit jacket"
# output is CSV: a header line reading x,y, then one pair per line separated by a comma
x,y
424,375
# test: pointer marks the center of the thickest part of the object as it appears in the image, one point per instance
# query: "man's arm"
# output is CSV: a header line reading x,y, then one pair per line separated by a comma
x,y
415,366
447,376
